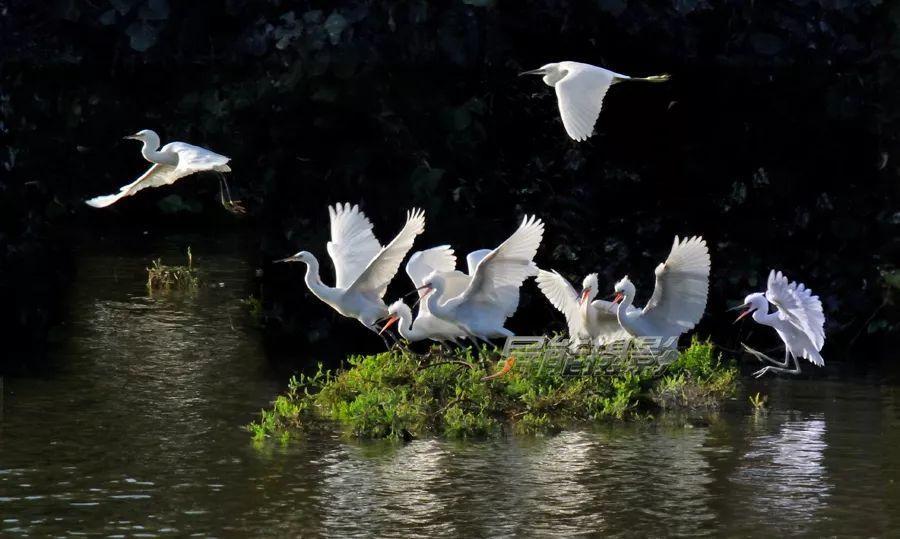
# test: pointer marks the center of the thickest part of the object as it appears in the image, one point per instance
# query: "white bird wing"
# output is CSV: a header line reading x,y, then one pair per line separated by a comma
x,y
682,285
439,259
473,258
605,323
798,306
352,245
157,175
196,159
563,296
580,96
191,159
495,284
382,268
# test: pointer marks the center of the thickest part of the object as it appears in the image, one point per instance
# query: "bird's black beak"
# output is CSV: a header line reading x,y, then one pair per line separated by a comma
x,y
735,308
288,259
130,137
539,71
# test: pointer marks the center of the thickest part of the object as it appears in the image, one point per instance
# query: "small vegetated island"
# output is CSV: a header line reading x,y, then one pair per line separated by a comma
x,y
539,388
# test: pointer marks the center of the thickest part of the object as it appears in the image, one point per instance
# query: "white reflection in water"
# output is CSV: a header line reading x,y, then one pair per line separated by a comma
x,y
786,471
386,494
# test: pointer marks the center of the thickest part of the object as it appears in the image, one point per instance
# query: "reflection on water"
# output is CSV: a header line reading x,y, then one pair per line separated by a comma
x,y
138,433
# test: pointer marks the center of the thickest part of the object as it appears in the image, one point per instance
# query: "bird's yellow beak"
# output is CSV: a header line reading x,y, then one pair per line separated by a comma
x,y
131,137
619,297
584,296
743,314
391,321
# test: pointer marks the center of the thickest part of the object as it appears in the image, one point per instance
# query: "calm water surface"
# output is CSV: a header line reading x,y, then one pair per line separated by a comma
x,y
138,433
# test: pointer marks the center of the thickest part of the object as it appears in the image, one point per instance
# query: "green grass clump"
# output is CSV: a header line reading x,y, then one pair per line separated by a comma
x,y
402,395
162,277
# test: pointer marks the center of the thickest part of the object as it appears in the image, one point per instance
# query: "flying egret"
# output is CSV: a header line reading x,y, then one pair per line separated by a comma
x,y
799,321
426,325
362,267
679,298
173,161
589,320
580,89
492,293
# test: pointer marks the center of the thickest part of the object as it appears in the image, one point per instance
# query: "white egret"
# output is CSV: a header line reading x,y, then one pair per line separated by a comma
x,y
426,325
173,161
492,293
363,268
679,298
580,89
799,321
590,321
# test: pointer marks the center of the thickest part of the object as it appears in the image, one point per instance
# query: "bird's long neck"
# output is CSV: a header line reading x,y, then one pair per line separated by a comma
x,y
622,310
407,328
764,317
150,152
315,284
435,306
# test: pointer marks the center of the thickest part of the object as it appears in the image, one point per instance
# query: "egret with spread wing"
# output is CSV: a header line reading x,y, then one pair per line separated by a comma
x,y
492,293
580,89
590,321
426,325
172,162
363,268
798,320
679,298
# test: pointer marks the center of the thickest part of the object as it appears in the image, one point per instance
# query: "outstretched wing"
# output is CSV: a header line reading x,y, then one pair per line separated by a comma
x,y
156,175
440,259
797,305
499,275
562,296
473,258
580,95
682,285
384,265
352,245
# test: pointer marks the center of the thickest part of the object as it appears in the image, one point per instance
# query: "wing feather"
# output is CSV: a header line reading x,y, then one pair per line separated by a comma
x,y
682,286
499,275
352,245
580,96
798,306
563,296
384,265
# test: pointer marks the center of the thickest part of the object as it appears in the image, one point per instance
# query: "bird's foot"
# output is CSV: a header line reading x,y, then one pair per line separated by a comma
x,y
761,372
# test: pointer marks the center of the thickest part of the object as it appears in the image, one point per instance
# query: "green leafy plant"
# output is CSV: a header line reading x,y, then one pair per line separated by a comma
x,y
402,395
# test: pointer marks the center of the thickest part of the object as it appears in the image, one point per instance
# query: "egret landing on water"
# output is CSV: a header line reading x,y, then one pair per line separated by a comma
x,y
679,297
362,267
799,321
172,162
580,89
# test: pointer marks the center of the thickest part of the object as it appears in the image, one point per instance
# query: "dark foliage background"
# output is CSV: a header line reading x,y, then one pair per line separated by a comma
x,y
777,140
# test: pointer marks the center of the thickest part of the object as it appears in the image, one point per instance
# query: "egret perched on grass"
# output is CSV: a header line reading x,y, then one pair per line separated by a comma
x,y
580,89
799,321
363,268
492,293
590,321
426,325
173,161
679,298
